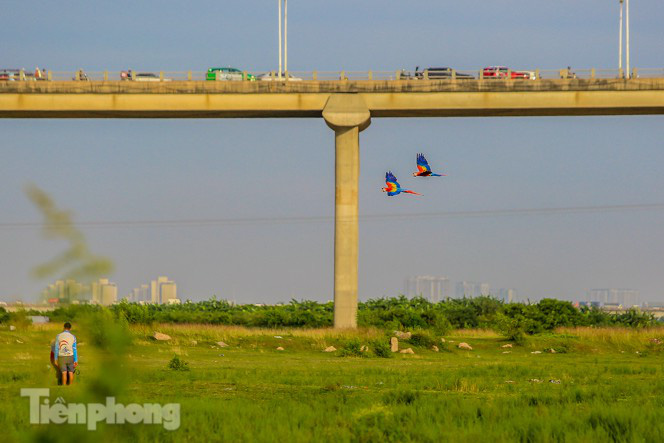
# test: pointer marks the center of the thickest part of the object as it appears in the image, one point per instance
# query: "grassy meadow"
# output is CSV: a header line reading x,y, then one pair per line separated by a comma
x,y
604,385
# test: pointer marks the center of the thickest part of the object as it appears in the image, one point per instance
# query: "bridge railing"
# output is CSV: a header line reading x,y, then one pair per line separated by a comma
x,y
401,75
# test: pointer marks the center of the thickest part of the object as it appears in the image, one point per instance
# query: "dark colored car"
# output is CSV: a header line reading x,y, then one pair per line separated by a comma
x,y
441,73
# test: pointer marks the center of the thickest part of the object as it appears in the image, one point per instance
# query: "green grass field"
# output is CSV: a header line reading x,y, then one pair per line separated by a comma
x,y
600,385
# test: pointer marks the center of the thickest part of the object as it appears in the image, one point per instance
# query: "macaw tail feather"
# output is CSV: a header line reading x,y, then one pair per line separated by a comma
x,y
439,175
410,192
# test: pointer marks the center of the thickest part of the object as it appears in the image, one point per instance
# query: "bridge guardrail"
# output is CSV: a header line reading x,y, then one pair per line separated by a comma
x,y
401,75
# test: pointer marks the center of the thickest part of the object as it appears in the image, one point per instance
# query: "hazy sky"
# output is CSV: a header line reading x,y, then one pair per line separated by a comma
x,y
135,170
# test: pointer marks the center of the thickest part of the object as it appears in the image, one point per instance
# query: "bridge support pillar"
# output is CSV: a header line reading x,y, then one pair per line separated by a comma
x,y
347,115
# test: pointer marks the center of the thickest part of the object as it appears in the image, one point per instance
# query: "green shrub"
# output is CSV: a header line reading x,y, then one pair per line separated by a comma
x,y
177,364
423,339
20,319
4,315
352,348
381,348
512,328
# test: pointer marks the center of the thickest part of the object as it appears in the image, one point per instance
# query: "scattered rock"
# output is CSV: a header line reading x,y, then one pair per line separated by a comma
x,y
442,340
507,352
508,345
407,351
555,382
193,342
535,380
161,337
364,348
551,351
403,335
466,346
330,349
280,348
278,336
12,327
509,381
394,344
536,352
19,341
451,341
221,344
434,348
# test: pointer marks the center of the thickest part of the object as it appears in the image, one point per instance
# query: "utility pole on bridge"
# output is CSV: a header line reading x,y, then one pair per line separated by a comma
x,y
347,115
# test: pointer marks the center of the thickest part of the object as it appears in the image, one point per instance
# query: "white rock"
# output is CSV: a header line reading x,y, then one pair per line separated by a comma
x,y
221,344
280,348
465,346
508,345
330,349
507,352
536,352
12,327
278,336
442,340
434,348
193,342
364,348
161,337
394,344
407,351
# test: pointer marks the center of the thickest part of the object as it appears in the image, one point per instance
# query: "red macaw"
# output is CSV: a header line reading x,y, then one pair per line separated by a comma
x,y
423,169
393,188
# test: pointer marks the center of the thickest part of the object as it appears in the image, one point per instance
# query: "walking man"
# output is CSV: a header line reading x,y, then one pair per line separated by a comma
x,y
66,354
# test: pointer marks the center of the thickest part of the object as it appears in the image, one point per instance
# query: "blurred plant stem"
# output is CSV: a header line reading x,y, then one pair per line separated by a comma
x,y
77,262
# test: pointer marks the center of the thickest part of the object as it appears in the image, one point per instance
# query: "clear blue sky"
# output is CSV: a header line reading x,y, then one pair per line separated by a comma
x,y
106,170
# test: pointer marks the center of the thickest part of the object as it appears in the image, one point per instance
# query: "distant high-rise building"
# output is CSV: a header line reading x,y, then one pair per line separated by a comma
x,y
154,292
168,292
109,294
432,288
161,290
471,289
507,295
624,297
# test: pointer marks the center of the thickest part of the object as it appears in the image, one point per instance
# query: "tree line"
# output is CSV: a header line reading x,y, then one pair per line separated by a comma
x,y
397,313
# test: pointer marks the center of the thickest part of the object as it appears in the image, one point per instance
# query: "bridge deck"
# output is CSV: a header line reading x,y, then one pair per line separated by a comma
x,y
403,98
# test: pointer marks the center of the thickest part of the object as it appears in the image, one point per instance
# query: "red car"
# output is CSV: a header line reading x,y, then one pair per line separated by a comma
x,y
502,71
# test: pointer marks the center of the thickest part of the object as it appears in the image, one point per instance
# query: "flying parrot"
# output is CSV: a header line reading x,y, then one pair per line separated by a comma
x,y
423,168
393,187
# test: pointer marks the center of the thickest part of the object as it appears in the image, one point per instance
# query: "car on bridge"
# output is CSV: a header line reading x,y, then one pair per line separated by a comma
x,y
8,75
504,71
232,74
274,76
142,76
441,73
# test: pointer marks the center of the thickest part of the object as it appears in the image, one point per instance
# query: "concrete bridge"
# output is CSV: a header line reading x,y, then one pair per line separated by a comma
x,y
347,107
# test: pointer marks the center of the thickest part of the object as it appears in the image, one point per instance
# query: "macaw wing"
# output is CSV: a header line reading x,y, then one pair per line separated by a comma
x,y
422,164
391,182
